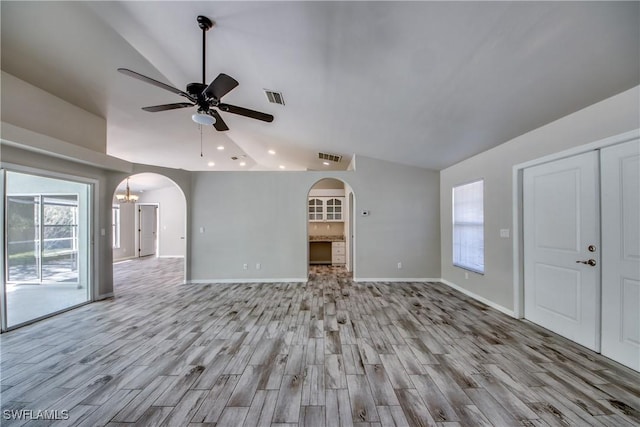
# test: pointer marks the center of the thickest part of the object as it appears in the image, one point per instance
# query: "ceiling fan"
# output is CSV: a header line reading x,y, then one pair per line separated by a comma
x,y
206,98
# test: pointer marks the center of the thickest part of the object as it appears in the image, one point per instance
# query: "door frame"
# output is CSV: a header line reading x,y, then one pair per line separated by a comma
x,y
517,207
350,239
137,228
94,234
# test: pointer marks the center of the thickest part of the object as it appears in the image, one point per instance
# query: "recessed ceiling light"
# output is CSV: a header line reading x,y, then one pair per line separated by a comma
x,y
272,152
211,164
220,147
326,163
281,167
242,163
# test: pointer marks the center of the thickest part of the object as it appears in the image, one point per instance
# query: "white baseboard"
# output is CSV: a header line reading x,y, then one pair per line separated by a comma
x,y
115,261
170,256
394,279
478,297
223,281
105,296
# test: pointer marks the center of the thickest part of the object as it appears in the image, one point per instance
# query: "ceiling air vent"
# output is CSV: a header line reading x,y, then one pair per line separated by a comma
x,y
274,97
330,157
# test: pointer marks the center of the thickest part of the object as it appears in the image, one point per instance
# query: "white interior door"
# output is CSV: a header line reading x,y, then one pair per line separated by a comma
x,y
620,169
147,220
561,221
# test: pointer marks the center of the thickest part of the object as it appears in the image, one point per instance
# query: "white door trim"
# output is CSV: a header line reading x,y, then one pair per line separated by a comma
x,y
517,193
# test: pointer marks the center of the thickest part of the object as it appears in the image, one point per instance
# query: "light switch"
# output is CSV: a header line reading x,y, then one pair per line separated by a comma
x,y
103,232
504,233
201,230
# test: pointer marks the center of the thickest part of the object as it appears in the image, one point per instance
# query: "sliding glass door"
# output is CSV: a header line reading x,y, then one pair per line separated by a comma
x,y
47,245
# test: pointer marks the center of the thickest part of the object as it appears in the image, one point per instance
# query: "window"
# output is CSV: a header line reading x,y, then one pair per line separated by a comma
x,y
468,226
115,226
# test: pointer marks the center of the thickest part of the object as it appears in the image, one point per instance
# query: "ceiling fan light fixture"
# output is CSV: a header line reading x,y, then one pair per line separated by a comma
x,y
203,119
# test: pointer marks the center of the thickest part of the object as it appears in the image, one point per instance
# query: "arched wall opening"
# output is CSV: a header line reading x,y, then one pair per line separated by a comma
x,y
149,219
330,223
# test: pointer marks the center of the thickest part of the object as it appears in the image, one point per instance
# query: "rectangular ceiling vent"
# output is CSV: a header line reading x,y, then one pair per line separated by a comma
x,y
274,97
330,157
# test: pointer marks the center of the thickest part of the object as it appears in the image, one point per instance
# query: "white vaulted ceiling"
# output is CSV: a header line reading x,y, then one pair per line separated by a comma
x,y
418,83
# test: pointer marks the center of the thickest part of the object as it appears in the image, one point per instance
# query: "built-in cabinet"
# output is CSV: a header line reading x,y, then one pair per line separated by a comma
x,y
326,209
327,213
338,254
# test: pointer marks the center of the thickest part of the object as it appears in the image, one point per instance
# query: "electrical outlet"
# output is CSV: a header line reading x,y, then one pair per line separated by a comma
x,y
466,275
245,266
399,265
258,266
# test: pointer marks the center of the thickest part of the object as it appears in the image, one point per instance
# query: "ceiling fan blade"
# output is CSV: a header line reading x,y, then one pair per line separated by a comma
x,y
220,86
165,107
219,124
246,112
156,83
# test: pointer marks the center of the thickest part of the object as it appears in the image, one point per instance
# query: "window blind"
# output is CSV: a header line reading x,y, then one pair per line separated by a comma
x,y
468,226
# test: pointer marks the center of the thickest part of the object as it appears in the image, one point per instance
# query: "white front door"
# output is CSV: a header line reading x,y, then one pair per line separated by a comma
x,y
147,230
620,166
561,222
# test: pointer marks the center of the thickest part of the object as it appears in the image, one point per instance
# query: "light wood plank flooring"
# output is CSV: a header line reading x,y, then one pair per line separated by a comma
x,y
327,353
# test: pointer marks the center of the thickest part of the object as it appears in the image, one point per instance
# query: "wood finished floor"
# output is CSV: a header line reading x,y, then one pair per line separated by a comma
x,y
330,352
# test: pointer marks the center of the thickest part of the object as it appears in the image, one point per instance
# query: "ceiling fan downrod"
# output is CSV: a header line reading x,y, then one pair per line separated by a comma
x,y
205,24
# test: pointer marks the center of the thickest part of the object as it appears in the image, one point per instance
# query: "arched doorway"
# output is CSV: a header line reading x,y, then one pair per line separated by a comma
x,y
330,225
149,215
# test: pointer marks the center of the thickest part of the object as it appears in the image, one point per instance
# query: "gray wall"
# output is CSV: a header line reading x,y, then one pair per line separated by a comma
x,y
260,217
21,102
612,116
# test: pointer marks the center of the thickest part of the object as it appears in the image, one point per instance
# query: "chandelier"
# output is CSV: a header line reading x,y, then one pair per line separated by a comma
x,y
127,197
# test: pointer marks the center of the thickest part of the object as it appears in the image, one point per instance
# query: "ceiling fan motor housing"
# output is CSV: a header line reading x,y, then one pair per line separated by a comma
x,y
195,89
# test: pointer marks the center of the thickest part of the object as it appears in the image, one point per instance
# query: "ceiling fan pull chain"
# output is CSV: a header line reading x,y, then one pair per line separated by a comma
x,y
200,126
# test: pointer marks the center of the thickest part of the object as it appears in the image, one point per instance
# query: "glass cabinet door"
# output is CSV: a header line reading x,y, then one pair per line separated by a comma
x,y
316,209
334,209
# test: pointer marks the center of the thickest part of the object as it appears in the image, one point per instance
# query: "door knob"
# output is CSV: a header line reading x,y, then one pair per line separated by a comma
x,y
591,262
